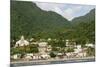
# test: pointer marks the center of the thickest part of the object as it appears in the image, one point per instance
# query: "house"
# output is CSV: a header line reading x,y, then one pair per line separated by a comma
x,y
28,57
70,43
81,54
49,48
34,43
16,56
90,45
41,40
42,44
36,56
49,39
45,56
42,47
67,41
32,39
60,55
78,49
31,56
70,54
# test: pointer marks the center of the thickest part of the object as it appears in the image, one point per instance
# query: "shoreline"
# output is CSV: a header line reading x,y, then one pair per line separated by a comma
x,y
52,61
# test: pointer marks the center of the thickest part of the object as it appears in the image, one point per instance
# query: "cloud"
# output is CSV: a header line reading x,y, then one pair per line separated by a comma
x,y
71,11
68,11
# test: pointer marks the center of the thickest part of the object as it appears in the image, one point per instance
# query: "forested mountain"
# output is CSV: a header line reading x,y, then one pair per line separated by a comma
x,y
86,18
29,20
84,27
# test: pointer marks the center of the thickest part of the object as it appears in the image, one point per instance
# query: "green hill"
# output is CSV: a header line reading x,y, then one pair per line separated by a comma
x,y
29,20
84,27
86,18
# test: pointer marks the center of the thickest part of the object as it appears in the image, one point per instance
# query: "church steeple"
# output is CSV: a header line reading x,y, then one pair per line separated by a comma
x,y
22,37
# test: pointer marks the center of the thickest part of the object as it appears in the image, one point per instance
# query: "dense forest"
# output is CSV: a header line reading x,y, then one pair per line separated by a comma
x,y
29,20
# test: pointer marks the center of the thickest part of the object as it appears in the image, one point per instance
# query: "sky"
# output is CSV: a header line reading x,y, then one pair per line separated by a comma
x,y
68,11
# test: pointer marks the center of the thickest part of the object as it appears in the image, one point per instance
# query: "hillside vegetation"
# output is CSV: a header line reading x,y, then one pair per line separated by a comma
x,y
29,20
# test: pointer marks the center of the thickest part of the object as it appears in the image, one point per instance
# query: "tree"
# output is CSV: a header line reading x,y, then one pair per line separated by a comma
x,y
69,49
34,50
55,49
16,51
52,55
31,49
91,51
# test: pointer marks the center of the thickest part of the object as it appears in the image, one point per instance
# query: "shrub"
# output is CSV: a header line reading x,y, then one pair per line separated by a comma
x,y
52,55
70,50
91,51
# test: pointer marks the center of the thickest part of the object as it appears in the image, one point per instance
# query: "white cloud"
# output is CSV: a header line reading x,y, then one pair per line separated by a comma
x,y
68,11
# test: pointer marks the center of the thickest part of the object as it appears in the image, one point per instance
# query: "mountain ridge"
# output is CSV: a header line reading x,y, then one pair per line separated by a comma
x,y
29,20
27,10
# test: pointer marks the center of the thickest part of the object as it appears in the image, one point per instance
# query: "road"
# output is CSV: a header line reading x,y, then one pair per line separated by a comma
x,y
52,61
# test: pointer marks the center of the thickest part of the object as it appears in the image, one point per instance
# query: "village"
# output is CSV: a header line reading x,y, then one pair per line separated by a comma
x,y
45,51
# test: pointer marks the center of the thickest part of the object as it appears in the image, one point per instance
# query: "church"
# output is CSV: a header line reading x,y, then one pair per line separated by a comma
x,y
21,42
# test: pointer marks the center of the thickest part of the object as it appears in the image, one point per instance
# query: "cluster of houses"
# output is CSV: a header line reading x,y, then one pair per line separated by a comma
x,y
45,49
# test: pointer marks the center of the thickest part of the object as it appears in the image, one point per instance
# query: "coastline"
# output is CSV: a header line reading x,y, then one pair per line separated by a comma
x,y
52,61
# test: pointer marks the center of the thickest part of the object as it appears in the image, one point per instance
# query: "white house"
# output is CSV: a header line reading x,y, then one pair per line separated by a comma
x,y
31,39
78,49
36,56
42,44
34,43
81,54
90,45
42,47
16,56
28,57
49,39
49,48
45,56
67,41
70,54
